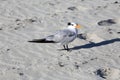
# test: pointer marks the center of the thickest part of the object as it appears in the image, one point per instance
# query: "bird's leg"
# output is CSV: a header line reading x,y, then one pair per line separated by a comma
x,y
67,47
64,47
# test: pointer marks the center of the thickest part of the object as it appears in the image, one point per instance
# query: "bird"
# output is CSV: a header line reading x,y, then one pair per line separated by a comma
x,y
62,37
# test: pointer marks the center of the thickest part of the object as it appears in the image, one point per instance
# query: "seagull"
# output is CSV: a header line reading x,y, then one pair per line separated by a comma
x,y
63,37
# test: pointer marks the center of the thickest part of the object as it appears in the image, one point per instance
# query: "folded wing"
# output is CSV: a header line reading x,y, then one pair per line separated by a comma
x,y
63,37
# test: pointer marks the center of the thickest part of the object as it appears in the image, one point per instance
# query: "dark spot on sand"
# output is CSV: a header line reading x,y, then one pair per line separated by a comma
x,y
8,49
66,11
93,58
16,28
0,28
105,6
68,58
101,73
52,4
32,20
13,68
119,56
82,0
115,2
17,20
18,23
107,22
76,65
85,62
21,74
72,8
18,68
110,31
99,7
54,15
61,64
118,32
61,55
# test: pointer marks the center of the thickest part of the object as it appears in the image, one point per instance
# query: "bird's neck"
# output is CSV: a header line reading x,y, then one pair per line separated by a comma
x,y
73,29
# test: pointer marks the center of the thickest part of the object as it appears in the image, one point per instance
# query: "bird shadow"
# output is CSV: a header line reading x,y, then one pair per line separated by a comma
x,y
91,45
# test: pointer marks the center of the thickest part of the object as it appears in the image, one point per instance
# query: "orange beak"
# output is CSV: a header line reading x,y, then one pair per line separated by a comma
x,y
77,26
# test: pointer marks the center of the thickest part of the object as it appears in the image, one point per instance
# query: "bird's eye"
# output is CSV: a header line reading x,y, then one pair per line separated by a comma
x,y
69,23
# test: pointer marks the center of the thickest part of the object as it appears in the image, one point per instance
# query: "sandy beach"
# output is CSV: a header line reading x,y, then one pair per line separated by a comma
x,y
95,53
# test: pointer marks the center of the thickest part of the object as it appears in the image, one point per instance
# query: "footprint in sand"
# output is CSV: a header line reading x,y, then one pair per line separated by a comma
x,y
107,22
108,73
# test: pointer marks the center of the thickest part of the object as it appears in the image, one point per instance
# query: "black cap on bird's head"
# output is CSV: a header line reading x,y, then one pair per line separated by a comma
x,y
73,24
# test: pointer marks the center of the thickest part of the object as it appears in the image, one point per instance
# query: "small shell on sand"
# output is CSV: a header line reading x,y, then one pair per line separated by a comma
x,y
108,73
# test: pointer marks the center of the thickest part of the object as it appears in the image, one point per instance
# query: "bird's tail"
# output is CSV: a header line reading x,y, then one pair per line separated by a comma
x,y
41,41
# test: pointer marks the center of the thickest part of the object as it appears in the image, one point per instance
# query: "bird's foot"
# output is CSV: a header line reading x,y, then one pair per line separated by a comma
x,y
69,50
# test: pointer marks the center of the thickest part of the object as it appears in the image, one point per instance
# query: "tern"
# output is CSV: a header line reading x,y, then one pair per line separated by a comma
x,y
63,37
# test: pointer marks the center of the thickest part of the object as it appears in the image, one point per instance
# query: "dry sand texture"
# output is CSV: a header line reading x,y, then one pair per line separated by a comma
x,y
94,57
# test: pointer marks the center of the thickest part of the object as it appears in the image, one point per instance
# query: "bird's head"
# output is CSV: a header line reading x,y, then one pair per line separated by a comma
x,y
73,25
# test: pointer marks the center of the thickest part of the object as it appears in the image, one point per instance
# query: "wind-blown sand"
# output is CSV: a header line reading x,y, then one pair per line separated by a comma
x,y
94,57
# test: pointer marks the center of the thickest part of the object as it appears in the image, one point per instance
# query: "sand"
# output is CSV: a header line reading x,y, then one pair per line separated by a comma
x,y
95,56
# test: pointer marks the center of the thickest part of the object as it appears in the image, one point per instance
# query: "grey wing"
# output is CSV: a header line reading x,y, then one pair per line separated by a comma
x,y
69,37
63,37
